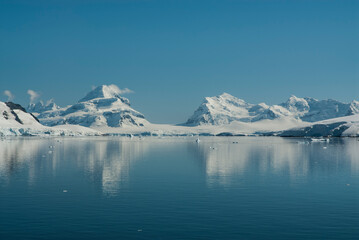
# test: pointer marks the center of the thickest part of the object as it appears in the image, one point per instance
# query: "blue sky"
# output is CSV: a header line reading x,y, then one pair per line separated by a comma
x,y
174,53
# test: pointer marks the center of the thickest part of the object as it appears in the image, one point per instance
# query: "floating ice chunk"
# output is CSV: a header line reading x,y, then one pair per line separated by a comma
x,y
319,139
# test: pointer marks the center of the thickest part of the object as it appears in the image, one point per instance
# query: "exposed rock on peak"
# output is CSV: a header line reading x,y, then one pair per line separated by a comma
x,y
12,114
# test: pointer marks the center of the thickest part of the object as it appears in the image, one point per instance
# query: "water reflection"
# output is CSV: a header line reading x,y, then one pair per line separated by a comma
x,y
16,153
103,161
106,162
352,151
296,158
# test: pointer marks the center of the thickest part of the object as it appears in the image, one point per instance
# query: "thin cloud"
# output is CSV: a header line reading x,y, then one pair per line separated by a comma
x,y
33,95
119,90
51,100
125,91
9,95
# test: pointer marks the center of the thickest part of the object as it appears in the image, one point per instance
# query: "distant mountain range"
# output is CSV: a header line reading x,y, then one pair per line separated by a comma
x,y
225,108
40,107
104,110
15,121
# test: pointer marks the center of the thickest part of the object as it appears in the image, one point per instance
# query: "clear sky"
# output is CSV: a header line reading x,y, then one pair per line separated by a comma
x,y
174,53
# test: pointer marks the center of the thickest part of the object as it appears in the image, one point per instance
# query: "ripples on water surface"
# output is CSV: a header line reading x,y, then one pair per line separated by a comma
x,y
174,188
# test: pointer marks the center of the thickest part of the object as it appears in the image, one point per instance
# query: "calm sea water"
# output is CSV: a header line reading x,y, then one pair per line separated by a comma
x,y
175,188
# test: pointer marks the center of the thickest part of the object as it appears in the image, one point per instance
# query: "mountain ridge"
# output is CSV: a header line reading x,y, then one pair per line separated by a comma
x,y
106,111
225,108
16,121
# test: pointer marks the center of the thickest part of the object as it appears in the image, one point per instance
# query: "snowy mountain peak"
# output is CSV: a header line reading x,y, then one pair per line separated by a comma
x,y
225,108
15,121
296,104
102,107
225,99
225,95
12,114
221,109
104,91
310,99
40,107
353,108
294,99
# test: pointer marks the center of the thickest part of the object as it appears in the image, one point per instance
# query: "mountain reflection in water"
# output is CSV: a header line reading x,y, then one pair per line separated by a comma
x,y
107,160
160,188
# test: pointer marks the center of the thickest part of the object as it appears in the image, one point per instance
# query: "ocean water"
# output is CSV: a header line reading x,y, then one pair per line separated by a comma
x,y
175,188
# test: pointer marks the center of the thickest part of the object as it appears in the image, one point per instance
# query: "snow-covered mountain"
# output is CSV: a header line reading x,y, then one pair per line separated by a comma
x,y
39,107
14,115
102,107
317,110
336,127
15,121
106,111
225,108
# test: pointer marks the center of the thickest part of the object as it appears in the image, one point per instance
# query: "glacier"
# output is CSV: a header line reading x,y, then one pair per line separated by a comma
x,y
336,127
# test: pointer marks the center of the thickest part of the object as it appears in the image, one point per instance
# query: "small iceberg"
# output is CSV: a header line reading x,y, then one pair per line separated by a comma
x,y
320,139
